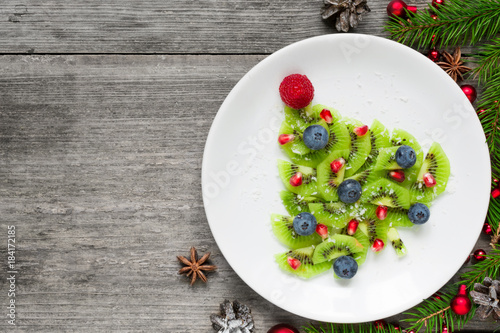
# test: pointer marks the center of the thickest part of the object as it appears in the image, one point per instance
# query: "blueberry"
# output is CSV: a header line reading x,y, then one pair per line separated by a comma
x,y
345,267
315,137
406,157
349,191
419,213
304,224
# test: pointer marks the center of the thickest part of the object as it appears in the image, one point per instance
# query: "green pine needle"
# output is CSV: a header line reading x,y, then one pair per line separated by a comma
x,y
488,60
458,22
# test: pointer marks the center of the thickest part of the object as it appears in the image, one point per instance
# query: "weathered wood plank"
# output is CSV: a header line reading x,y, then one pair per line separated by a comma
x,y
155,26
100,160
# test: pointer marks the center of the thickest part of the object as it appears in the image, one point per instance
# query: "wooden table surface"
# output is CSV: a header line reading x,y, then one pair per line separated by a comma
x,y
104,111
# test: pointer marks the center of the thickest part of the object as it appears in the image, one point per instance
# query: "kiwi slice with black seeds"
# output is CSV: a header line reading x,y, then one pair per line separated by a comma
x,y
401,137
295,146
335,214
300,119
296,204
396,242
359,149
307,268
328,181
288,170
336,246
284,231
437,164
383,192
379,138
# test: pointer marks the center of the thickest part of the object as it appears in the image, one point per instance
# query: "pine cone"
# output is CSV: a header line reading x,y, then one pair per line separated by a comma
x,y
236,318
487,296
348,12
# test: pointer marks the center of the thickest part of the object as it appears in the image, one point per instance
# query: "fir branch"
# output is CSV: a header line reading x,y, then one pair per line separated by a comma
x,y
435,312
350,328
490,120
488,60
489,267
457,22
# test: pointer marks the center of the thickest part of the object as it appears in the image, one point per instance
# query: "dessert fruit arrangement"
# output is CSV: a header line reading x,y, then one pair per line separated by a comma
x,y
349,186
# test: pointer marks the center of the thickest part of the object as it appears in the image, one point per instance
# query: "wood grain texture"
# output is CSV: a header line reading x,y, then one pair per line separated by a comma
x,y
100,162
158,26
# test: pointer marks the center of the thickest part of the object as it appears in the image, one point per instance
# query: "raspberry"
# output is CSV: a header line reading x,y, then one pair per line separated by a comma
x,y
296,91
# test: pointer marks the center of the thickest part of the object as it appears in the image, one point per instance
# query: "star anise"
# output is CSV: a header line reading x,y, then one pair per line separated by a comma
x,y
195,266
487,296
453,65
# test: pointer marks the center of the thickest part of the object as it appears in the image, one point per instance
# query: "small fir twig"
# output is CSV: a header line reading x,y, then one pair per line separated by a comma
x,y
458,22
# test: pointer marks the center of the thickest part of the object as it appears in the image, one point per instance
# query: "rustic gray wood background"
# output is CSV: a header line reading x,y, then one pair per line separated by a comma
x,y
104,111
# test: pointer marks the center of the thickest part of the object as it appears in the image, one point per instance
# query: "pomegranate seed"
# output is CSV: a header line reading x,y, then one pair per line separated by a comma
x,y
285,138
377,245
429,180
352,226
495,193
322,230
337,164
397,175
296,180
294,263
361,130
381,212
326,115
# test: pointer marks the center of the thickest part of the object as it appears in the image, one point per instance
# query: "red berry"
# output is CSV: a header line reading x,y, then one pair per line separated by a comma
x,y
361,130
296,91
352,226
434,17
429,180
495,193
381,212
479,255
397,175
433,55
437,3
322,230
285,138
337,164
377,245
294,263
326,115
487,229
379,324
296,180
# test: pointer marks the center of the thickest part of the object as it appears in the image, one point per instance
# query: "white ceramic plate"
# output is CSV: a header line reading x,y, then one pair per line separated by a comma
x,y
364,77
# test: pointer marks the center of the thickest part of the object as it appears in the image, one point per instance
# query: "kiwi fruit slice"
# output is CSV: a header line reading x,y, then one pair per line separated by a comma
x,y
287,170
297,145
396,242
362,238
398,217
300,119
295,203
366,176
359,149
373,228
307,268
335,214
379,138
401,137
328,181
336,246
386,159
437,164
386,193
284,231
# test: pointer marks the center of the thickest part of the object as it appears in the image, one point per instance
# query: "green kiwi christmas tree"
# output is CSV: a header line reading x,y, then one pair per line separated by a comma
x,y
348,186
